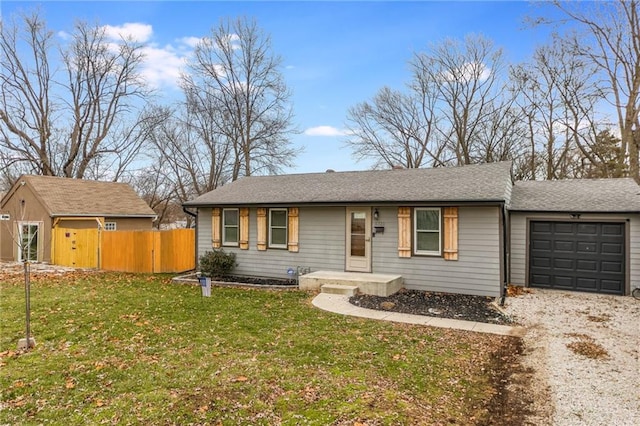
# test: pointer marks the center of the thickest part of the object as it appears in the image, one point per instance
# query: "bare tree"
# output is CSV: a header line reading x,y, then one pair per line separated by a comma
x,y
188,156
468,77
558,95
94,108
104,83
610,39
396,128
454,111
26,112
236,71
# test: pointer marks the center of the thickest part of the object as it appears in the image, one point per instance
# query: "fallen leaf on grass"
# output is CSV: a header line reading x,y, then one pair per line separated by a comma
x,y
18,402
69,384
241,379
7,354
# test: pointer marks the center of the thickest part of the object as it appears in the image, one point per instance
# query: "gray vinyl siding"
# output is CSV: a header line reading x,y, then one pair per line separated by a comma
x,y
203,230
321,244
519,241
477,270
322,247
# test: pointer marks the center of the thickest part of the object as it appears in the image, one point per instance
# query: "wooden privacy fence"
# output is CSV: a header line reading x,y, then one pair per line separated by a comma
x,y
125,251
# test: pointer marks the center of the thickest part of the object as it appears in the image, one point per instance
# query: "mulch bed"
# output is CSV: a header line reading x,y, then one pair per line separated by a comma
x,y
256,281
442,305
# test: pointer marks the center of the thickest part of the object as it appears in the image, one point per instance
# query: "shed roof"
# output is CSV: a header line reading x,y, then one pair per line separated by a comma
x,y
577,195
81,197
474,183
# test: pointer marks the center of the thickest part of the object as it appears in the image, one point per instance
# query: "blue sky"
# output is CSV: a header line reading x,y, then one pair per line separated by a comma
x,y
336,54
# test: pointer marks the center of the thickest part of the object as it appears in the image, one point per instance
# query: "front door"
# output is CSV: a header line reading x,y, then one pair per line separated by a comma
x,y
358,239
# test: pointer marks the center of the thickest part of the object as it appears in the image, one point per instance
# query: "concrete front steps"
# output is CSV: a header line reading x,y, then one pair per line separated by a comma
x,y
345,290
350,283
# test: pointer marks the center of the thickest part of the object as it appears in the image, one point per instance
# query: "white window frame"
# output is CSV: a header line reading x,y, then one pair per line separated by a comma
x,y
415,231
286,228
38,241
235,243
110,226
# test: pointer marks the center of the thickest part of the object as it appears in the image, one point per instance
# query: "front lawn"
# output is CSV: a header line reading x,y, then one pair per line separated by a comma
x,y
137,349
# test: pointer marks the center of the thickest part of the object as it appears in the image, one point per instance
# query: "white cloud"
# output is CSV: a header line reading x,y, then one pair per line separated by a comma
x,y
190,41
325,131
163,65
131,30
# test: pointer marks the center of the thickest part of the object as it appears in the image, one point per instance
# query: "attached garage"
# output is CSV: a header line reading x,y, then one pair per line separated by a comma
x,y
582,256
576,235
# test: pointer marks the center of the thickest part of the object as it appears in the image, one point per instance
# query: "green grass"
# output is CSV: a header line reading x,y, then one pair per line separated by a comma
x,y
136,349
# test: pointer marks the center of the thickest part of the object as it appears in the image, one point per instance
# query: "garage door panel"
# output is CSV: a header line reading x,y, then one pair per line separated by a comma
x,y
587,229
611,248
538,244
563,282
565,246
586,284
613,267
541,262
564,228
613,229
541,280
587,265
563,264
587,256
586,247
541,227
610,286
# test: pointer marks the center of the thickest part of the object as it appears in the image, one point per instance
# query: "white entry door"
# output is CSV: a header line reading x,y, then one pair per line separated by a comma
x,y
358,239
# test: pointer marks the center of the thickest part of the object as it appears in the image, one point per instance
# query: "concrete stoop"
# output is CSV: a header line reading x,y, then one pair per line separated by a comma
x,y
366,283
345,290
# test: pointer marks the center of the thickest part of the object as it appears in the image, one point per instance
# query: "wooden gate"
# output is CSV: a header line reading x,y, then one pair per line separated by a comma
x,y
126,251
78,248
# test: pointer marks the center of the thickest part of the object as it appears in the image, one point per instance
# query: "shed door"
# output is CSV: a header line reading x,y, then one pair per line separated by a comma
x,y
358,239
582,256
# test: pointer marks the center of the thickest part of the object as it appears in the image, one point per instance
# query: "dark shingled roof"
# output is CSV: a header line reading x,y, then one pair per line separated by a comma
x,y
577,195
81,197
475,183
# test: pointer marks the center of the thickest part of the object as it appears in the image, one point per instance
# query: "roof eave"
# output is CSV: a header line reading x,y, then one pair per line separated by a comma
x,y
343,203
103,215
574,211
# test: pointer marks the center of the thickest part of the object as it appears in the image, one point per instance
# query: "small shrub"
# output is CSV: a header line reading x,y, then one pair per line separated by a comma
x,y
217,263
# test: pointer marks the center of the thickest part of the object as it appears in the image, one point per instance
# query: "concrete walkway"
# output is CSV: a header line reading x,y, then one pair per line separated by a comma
x,y
339,304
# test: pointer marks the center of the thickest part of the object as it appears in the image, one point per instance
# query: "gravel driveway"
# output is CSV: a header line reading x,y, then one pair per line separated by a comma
x,y
583,349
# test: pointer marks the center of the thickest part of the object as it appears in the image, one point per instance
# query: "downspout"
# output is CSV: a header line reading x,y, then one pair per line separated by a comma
x,y
506,250
195,216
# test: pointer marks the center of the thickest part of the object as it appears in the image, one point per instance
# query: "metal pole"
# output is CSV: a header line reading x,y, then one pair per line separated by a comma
x,y
27,291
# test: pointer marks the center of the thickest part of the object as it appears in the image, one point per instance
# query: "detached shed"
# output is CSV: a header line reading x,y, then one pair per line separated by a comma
x,y
36,205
